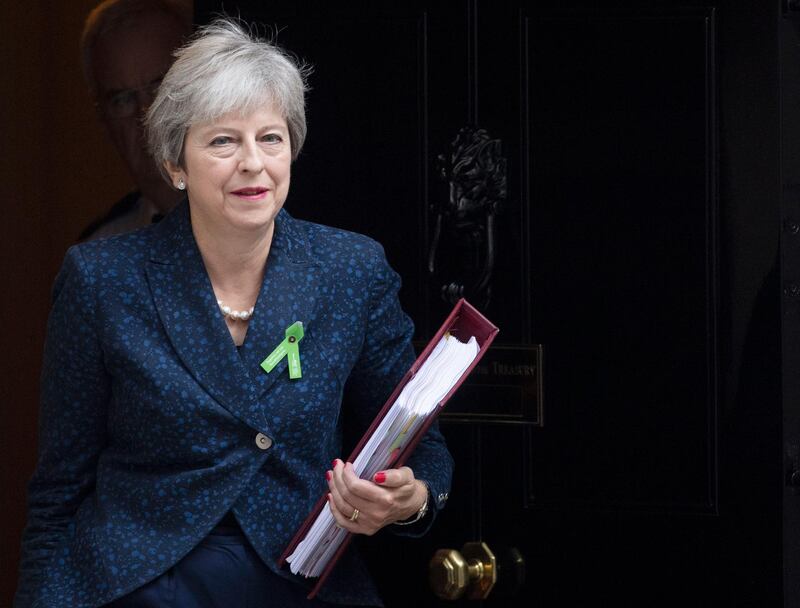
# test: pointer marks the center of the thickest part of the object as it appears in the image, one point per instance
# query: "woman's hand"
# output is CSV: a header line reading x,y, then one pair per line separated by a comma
x,y
393,495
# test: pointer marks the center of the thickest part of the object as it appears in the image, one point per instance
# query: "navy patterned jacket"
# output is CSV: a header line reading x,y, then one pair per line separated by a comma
x,y
149,415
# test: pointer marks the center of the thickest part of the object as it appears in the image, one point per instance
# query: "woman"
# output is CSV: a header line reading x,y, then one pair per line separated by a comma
x,y
173,469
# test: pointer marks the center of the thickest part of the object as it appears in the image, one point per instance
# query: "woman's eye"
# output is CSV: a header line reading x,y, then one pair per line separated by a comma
x,y
272,138
220,141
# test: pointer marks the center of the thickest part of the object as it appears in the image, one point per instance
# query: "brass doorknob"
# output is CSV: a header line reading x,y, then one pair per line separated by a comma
x,y
470,573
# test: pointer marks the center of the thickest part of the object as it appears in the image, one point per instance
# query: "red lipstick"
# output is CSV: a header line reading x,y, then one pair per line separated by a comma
x,y
252,193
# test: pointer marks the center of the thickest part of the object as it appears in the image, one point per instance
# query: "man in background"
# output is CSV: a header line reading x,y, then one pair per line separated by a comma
x,y
126,49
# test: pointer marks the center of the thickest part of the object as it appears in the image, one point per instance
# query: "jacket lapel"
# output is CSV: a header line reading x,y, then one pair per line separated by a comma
x,y
188,309
288,294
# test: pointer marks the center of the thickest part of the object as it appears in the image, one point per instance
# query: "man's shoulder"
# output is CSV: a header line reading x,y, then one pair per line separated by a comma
x,y
122,217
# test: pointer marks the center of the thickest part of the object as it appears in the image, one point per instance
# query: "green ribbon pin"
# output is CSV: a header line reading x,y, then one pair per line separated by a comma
x,y
289,347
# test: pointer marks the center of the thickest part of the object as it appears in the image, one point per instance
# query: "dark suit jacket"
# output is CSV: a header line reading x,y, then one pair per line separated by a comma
x,y
149,415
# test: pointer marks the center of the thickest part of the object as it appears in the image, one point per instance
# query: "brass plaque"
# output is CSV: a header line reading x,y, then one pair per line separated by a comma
x,y
506,386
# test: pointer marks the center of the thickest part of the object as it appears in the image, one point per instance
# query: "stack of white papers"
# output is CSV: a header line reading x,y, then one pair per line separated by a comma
x,y
418,399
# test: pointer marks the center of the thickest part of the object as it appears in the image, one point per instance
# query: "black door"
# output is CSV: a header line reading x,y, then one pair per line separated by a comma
x,y
603,182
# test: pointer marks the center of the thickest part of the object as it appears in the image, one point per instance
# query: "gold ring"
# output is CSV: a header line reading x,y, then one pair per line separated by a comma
x,y
354,516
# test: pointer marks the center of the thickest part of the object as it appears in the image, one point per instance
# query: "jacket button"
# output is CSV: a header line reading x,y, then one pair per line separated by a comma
x,y
263,442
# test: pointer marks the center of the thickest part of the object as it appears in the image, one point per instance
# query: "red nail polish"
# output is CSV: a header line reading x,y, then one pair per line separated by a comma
x,y
328,475
380,477
335,460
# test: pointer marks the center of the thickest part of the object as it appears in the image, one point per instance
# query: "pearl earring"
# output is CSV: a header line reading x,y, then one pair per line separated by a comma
x,y
181,184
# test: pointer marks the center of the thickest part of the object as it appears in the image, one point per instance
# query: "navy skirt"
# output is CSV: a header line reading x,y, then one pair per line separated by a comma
x,y
223,571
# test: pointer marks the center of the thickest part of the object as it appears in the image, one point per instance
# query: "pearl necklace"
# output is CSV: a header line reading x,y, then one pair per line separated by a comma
x,y
235,315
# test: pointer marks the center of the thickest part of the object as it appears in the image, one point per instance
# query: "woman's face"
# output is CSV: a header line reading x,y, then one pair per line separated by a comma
x,y
237,169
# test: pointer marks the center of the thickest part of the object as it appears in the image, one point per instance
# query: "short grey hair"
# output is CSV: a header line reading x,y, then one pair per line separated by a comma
x,y
111,14
224,68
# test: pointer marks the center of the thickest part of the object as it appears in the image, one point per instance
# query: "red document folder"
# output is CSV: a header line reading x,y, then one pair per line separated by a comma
x,y
463,322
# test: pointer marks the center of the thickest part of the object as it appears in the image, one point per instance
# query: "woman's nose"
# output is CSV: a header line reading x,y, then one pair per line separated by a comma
x,y
250,160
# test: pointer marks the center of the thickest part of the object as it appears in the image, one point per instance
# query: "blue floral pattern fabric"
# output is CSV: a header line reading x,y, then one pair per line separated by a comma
x,y
149,414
